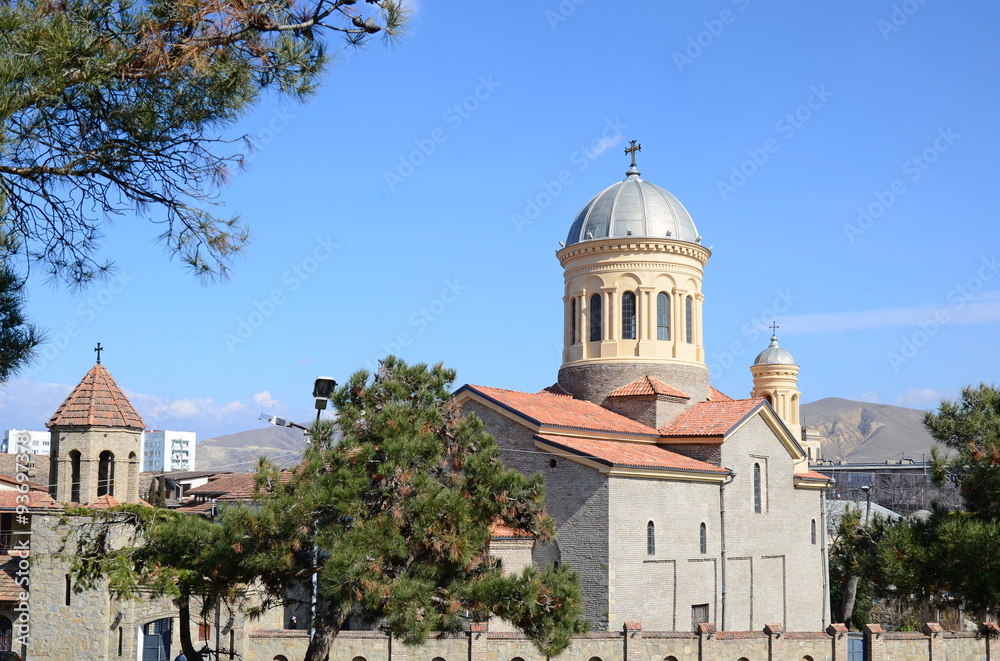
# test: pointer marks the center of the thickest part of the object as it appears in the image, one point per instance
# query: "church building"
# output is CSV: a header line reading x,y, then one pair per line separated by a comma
x,y
674,503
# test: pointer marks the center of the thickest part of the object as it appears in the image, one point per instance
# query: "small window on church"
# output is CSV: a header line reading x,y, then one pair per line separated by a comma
x,y
813,530
703,539
572,321
689,319
595,318
650,539
662,316
628,316
756,489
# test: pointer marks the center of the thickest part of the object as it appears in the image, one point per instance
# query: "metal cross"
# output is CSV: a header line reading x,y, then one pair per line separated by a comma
x,y
774,327
98,349
632,149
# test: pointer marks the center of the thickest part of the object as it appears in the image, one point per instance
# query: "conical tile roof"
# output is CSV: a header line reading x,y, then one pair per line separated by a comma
x,y
97,401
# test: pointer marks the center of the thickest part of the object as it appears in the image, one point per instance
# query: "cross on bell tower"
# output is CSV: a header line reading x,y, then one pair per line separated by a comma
x,y
98,349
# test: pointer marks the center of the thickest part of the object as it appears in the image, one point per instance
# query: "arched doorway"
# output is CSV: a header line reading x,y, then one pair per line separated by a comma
x,y
6,634
155,643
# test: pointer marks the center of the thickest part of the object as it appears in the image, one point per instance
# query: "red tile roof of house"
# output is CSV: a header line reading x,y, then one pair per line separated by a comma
x,y
103,502
560,411
647,385
36,499
813,475
97,400
628,455
716,396
554,389
500,531
710,418
9,589
241,486
14,482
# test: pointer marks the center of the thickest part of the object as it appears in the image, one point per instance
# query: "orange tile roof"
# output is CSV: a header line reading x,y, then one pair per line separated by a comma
x,y
97,400
103,502
233,487
500,531
554,389
560,411
716,396
628,455
647,385
813,475
36,499
9,589
13,481
710,418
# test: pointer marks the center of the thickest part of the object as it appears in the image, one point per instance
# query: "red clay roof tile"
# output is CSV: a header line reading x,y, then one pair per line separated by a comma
x,y
628,455
647,385
717,396
813,475
554,389
561,411
9,589
241,486
97,400
500,531
36,499
710,418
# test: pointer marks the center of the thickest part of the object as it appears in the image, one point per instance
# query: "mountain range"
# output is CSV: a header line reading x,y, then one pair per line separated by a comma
x,y
854,431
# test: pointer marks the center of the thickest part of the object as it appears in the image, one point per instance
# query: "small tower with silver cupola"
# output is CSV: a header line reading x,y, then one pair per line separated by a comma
x,y
776,379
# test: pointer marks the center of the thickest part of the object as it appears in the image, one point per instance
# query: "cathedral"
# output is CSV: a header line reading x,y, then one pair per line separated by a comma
x,y
674,503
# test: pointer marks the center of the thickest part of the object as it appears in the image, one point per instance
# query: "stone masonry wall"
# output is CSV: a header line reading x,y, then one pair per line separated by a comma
x,y
577,501
771,554
612,646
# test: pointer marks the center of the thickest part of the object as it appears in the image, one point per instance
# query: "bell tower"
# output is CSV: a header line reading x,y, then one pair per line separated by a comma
x,y
776,379
96,442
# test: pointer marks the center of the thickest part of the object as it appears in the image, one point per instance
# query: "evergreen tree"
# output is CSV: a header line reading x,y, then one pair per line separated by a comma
x,y
394,519
111,109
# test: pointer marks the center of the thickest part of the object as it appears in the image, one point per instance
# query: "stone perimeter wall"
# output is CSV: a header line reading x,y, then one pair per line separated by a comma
x,y
634,644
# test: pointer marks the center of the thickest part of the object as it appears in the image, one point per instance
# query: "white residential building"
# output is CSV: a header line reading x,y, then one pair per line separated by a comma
x,y
36,442
164,450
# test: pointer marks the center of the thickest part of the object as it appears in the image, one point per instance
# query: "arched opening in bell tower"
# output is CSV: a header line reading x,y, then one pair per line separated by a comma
x,y
106,474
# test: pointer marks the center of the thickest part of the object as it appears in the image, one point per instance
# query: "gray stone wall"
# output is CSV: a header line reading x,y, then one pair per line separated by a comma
x,y
593,381
710,453
770,554
90,442
576,497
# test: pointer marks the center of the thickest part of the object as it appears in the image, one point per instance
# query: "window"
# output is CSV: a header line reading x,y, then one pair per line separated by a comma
x,y
650,539
121,640
812,527
69,590
689,319
756,488
662,316
74,462
699,614
628,316
703,539
6,633
204,631
572,321
6,531
595,318
106,474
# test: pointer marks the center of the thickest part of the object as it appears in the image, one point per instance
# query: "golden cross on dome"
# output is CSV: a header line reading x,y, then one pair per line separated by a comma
x,y
632,149
98,349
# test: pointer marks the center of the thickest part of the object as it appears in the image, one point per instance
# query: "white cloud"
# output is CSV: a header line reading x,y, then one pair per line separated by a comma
x,y
27,404
924,398
264,399
984,309
870,396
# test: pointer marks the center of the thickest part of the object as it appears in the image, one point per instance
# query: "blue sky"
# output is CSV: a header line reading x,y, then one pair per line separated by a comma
x,y
840,158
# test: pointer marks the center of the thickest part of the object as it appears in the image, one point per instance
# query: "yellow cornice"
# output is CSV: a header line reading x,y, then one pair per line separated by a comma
x,y
803,483
620,245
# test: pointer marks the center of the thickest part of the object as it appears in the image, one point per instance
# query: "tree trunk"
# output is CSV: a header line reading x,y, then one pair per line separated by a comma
x,y
184,617
327,625
850,595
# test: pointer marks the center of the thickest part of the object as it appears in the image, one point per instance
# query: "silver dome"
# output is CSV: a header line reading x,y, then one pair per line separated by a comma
x,y
774,355
633,208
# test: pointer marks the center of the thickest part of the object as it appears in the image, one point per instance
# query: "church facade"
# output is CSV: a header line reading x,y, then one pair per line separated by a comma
x,y
676,504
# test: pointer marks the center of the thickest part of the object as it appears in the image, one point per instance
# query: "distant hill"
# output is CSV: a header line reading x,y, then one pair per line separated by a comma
x,y
861,431
240,452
